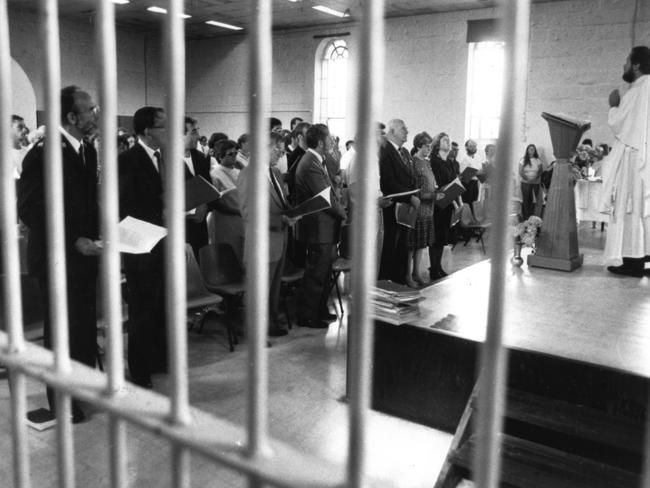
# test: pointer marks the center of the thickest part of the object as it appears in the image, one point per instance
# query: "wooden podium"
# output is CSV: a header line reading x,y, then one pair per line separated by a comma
x,y
557,246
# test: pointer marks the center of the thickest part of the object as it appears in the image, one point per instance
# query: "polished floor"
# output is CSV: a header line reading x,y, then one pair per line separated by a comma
x,y
307,383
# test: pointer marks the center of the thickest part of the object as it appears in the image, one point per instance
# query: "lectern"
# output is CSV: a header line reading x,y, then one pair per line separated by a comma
x,y
557,246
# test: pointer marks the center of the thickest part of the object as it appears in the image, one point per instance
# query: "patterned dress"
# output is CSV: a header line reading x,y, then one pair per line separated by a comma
x,y
423,235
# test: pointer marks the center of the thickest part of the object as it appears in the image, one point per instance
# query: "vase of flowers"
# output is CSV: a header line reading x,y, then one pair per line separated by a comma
x,y
525,234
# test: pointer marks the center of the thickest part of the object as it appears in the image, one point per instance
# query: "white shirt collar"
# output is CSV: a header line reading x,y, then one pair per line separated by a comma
x,y
150,152
74,142
320,158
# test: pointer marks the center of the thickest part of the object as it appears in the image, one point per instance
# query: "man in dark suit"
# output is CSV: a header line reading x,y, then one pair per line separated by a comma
x,y
196,164
141,196
81,226
395,176
320,230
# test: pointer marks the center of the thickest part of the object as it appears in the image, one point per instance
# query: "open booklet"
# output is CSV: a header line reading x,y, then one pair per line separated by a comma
x,y
467,175
198,191
403,194
450,192
137,236
318,202
405,214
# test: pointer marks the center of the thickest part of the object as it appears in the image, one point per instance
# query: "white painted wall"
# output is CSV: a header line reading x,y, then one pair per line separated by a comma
x,y
577,51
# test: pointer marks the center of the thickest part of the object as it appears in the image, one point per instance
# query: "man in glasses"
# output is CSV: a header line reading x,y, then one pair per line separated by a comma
x,y
142,170
81,227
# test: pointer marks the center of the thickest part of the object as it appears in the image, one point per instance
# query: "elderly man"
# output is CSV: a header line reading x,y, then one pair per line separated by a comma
x,y
81,227
395,176
626,171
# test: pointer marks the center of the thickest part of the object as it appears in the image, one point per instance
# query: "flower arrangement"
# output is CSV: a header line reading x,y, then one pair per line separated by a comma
x,y
526,232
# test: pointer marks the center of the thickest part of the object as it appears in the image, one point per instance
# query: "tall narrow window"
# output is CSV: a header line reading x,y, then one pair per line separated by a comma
x,y
331,83
484,90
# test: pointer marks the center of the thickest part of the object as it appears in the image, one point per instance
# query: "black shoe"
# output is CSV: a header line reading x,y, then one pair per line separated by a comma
x,y
624,270
313,324
328,317
143,382
277,332
442,273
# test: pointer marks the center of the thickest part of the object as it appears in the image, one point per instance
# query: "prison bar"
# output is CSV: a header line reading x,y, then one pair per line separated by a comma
x,y
257,249
12,312
364,262
109,215
56,263
494,362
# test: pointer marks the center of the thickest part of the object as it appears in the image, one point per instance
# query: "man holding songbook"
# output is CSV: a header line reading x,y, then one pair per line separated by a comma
x,y
319,230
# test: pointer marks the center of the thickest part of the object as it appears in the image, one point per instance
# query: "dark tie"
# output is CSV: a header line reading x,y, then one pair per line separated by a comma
x,y
159,160
82,152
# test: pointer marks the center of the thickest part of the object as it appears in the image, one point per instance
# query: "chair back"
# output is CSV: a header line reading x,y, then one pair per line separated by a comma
x,y
195,285
219,265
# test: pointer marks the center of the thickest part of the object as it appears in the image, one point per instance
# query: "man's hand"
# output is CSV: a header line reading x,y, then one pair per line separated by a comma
x,y
415,202
87,247
199,214
614,98
385,202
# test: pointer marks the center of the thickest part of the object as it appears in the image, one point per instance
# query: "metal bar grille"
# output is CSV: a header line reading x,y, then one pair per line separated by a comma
x,y
494,368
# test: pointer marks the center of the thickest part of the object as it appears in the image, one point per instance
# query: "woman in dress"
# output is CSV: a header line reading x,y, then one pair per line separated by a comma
x,y
530,173
421,236
225,223
443,171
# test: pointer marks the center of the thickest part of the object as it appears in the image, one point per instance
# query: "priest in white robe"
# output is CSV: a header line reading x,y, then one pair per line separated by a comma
x,y
626,171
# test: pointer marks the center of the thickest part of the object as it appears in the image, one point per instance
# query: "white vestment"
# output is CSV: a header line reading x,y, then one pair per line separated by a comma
x,y
626,175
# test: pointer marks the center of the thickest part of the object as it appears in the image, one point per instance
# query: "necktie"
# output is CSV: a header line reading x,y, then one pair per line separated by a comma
x,y
160,164
82,153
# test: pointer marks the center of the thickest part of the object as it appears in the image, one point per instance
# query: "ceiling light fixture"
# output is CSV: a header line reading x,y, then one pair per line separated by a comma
x,y
160,10
330,11
221,24
121,2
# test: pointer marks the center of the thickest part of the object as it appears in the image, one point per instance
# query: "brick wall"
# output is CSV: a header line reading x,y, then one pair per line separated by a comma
x,y
577,51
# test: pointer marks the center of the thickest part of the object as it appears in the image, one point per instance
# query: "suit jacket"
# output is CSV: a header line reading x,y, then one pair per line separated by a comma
x,y
324,226
277,203
395,176
196,233
141,187
290,178
81,218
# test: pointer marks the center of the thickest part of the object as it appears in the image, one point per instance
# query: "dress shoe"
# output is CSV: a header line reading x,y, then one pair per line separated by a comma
x,y
328,317
278,332
624,270
313,324
442,273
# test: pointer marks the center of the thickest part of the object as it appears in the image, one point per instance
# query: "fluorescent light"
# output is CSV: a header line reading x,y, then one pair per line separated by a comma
x,y
121,2
330,11
221,24
160,10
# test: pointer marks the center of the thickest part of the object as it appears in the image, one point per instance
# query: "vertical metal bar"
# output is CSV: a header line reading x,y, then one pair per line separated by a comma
x,y
110,272
175,246
55,235
12,311
257,286
364,273
493,372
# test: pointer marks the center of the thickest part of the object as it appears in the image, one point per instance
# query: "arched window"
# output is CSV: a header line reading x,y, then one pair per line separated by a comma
x,y
331,85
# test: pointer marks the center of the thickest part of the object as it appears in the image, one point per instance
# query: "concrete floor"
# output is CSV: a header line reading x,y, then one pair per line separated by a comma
x,y
307,382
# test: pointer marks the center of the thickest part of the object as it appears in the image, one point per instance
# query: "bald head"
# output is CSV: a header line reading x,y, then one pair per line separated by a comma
x,y
396,131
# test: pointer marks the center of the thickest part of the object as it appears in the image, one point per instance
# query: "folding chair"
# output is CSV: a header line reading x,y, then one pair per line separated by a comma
x,y
198,296
223,275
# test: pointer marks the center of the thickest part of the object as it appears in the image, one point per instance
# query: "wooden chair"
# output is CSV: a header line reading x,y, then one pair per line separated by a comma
x,y
473,228
200,300
341,265
223,275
